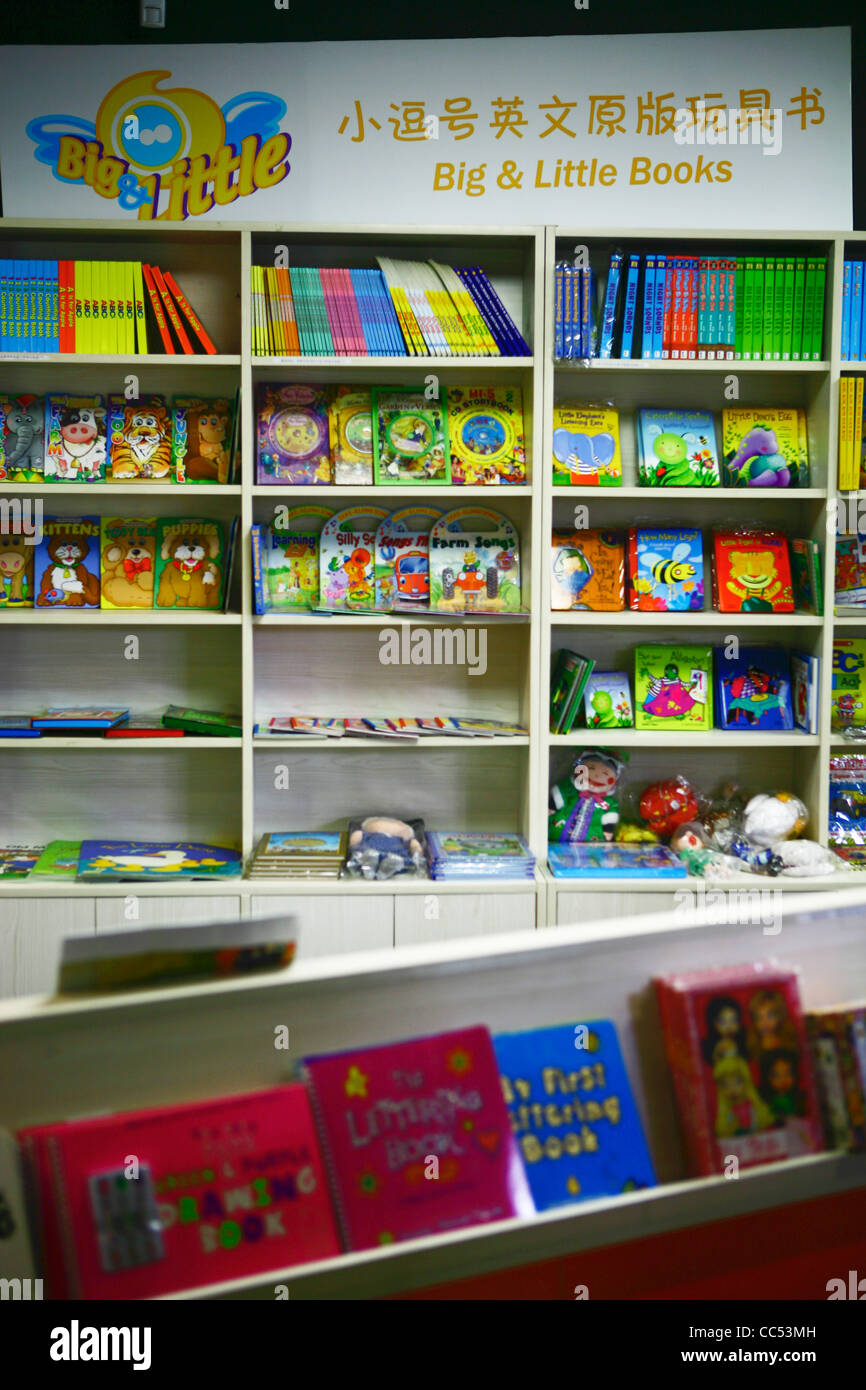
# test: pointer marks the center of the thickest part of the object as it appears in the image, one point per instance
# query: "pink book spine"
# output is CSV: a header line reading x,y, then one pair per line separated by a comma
x,y
331,310
359,345
345,313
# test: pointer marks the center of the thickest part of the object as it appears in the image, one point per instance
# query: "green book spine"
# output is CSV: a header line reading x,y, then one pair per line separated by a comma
x,y
769,283
818,310
808,308
799,296
748,306
739,292
788,309
778,307
758,311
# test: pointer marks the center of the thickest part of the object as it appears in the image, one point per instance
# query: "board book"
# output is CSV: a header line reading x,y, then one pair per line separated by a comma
x,y
128,562
74,439
752,572
190,562
347,558
351,432
203,443
293,435
569,676
676,448
665,570
588,571
765,447
67,564
16,571
22,439
586,446
286,561
474,563
211,723
139,439
486,437
403,558
848,692
607,701
673,687
753,690
410,438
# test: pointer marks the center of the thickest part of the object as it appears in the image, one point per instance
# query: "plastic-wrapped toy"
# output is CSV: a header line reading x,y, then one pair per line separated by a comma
x,y
774,816
382,847
806,859
630,833
582,805
665,805
724,821
691,843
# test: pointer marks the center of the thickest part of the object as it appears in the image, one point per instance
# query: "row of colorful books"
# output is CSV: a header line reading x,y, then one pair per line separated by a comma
x,y
125,861
660,570
315,435
532,1120
852,457
94,307
311,727
403,309
853,345
705,308
761,689
120,562
94,721
365,559
767,446
62,438
381,847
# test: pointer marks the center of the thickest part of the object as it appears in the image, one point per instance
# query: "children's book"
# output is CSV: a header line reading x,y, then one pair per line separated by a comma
x,y
18,726
403,558
485,432
573,1113
139,439
351,431
666,570
850,575
74,720
286,561
128,562
607,700
410,438
59,859
223,1189
66,564
847,820
673,687
676,448
765,447
571,671
805,690
586,448
139,860
806,576
848,691
588,571
209,723
753,690
189,563
22,439
614,861
752,572
203,436
74,439
347,551
474,563
16,571
16,861
18,1253
837,1036
737,1050
389,1116
293,436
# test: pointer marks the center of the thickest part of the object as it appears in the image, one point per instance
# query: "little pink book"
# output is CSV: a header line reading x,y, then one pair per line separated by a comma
x,y
417,1138
150,1202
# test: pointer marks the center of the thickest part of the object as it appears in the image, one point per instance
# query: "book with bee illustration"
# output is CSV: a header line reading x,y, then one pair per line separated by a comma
x,y
189,563
139,439
677,448
665,570
128,561
673,687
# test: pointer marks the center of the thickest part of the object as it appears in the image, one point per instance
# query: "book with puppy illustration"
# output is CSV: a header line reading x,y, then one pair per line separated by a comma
x,y
67,563
189,563
128,561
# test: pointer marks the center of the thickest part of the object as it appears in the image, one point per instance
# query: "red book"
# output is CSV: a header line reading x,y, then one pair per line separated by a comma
x,y
333,312
668,322
156,306
187,309
147,730
752,572
171,310
64,319
224,1189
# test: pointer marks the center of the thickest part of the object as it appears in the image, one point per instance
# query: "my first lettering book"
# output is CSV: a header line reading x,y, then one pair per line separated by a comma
x,y
417,1137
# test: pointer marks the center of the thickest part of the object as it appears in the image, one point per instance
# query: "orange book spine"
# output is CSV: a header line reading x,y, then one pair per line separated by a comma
x,y
156,306
174,316
186,308
291,323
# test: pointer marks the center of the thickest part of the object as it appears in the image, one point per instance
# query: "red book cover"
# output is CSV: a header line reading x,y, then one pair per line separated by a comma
x,y
703,306
752,572
668,321
679,299
221,1190
170,309
736,1044
358,346
417,1137
187,309
65,309
732,303
694,290
156,306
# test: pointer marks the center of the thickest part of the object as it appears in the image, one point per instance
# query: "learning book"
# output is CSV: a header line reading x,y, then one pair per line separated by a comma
x,y
673,687
403,558
139,439
485,433
347,558
586,448
293,435
66,563
410,438
16,571
22,439
737,1051
286,561
573,1113
752,572
190,563
351,432
765,447
74,439
665,569
474,563
676,448
203,439
223,1189
588,571
753,689
386,1114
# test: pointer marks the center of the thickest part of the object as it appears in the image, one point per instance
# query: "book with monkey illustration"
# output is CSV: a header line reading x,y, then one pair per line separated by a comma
x,y
16,572
189,563
139,439
67,563
203,434
128,546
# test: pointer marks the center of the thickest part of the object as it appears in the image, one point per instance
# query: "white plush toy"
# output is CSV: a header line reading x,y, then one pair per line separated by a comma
x,y
773,816
806,859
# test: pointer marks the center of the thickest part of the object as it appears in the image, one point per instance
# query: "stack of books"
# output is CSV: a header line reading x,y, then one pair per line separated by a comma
x,y
568,682
852,465
299,854
853,325
304,727
155,860
468,854
206,722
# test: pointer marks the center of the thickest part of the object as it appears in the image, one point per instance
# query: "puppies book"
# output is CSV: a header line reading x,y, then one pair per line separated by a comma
x,y
350,416
588,571
765,447
139,439
676,448
673,687
752,572
485,433
202,439
221,1189
189,563
66,564
22,439
293,435
16,571
410,438
666,570
586,447
128,562
753,689
474,563
74,439
416,1138
573,1113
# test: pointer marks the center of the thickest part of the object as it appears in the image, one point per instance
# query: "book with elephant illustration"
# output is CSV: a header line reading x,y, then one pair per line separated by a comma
x,y
22,439
128,547
67,565
190,562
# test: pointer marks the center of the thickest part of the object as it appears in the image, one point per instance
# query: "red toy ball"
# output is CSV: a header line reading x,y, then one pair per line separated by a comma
x,y
665,805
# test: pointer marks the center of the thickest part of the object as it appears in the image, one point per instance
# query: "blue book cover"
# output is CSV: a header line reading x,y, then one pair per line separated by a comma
x,y
856,311
630,312
559,278
156,860
17,726
597,859
677,448
666,570
659,308
611,304
649,303
573,1113
753,690
846,310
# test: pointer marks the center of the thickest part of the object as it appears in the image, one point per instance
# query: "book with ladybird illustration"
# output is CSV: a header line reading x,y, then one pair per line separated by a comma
x,y
417,1138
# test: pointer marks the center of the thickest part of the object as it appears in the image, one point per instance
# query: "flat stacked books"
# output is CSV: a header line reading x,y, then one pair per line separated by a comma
x,y
209,723
16,861
614,861
79,721
299,854
306,727
467,854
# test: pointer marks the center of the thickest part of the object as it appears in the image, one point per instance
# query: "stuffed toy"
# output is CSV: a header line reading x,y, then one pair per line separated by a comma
x,y
774,816
382,847
665,805
582,806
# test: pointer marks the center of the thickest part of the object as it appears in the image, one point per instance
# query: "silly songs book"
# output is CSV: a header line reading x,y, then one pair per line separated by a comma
x,y
767,447
588,571
665,570
753,689
673,687
676,448
393,1117
485,433
347,558
293,435
586,449
474,563
573,1113
410,438
66,564
286,561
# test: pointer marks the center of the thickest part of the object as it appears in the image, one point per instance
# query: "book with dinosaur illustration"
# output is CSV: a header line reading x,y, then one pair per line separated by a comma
x,y
767,447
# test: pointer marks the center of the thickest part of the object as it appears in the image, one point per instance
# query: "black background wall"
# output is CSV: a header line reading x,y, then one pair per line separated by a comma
x,y
259,21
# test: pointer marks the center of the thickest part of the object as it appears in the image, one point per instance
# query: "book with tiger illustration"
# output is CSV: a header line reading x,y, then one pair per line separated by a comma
x,y
139,439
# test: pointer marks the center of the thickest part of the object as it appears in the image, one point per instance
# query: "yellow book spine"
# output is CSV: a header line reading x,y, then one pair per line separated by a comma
x,y
844,434
265,313
857,433
406,320
140,316
450,321
471,315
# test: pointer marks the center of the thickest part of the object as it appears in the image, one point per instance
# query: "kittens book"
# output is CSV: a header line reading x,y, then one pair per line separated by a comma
x,y
673,687
66,564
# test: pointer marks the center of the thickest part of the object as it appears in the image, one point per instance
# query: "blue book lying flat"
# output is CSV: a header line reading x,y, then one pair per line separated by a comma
x,y
600,860
573,1113
17,726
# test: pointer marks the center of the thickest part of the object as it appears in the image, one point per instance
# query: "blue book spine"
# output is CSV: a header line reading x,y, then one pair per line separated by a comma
x,y
374,336
692,331
659,307
479,299
611,300
559,279
494,310
846,311
630,309
258,580
392,338
570,285
649,299
587,295
856,311
4,305
360,304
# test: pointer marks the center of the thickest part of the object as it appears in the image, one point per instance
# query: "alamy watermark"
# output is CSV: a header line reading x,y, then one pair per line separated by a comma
x,y
21,516
750,125
758,907
434,646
